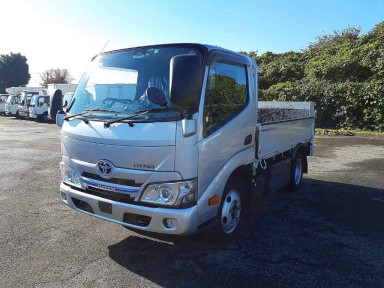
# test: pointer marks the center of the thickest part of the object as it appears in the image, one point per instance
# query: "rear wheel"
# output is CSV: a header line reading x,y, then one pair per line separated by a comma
x,y
296,172
17,114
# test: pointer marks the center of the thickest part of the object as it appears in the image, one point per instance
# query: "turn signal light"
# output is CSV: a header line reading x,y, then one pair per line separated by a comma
x,y
214,200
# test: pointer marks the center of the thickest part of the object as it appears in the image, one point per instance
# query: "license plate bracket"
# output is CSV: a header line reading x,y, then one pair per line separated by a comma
x,y
105,207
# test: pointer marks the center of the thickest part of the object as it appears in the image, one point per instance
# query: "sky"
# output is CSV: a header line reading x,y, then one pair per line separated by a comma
x,y
67,34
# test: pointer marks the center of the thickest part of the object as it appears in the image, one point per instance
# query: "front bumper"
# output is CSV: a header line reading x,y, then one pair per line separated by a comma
x,y
23,113
186,219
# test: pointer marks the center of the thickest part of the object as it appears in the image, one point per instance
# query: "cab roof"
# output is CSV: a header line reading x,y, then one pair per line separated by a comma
x,y
203,48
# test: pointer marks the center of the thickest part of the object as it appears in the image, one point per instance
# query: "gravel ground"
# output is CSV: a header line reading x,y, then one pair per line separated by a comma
x,y
330,234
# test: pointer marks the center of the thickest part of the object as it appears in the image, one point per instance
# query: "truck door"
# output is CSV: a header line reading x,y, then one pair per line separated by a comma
x,y
228,122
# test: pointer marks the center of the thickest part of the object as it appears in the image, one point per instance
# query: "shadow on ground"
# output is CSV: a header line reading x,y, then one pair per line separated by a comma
x,y
328,234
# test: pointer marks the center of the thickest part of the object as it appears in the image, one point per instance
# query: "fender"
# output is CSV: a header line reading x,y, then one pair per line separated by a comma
x,y
302,146
216,187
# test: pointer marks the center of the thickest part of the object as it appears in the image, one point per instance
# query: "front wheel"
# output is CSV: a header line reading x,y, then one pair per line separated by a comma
x,y
46,117
230,211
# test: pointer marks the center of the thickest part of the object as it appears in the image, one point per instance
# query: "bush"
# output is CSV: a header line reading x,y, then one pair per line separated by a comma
x,y
342,72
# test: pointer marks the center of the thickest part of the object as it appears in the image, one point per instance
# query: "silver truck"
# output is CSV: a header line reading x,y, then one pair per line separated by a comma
x,y
172,139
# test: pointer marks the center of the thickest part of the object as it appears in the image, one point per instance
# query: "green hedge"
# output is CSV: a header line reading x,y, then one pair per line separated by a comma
x,y
342,72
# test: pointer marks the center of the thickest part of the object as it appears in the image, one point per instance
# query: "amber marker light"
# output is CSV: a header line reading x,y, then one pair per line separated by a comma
x,y
214,200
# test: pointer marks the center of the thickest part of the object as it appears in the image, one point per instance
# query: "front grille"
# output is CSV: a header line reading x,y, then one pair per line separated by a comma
x,y
136,219
111,195
118,181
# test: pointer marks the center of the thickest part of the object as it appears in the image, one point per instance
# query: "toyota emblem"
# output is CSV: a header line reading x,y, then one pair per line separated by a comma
x,y
104,167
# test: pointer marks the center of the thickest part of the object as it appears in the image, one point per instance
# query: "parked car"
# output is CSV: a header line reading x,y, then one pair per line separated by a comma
x,y
182,143
3,99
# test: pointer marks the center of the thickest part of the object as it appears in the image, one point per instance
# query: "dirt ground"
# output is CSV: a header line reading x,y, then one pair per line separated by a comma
x,y
330,234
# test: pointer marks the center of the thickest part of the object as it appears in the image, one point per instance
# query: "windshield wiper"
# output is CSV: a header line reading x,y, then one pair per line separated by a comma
x,y
86,121
157,110
137,113
88,110
100,110
74,115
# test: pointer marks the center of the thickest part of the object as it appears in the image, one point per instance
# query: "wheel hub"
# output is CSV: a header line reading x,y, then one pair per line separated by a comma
x,y
230,214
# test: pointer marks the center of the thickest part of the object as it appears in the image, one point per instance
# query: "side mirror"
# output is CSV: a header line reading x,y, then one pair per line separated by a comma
x,y
156,96
60,118
65,103
186,75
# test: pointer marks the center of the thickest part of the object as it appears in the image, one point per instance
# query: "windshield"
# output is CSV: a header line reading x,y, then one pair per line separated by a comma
x,y
116,83
13,99
25,97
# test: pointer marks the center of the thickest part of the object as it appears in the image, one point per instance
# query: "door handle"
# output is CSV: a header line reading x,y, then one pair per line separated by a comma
x,y
248,139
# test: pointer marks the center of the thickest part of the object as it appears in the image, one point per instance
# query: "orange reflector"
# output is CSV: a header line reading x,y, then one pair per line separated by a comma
x,y
214,200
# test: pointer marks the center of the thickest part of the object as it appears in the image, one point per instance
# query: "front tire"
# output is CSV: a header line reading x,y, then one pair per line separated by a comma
x,y
46,117
231,211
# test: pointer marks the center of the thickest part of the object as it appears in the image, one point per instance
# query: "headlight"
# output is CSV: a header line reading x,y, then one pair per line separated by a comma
x,y
171,194
69,176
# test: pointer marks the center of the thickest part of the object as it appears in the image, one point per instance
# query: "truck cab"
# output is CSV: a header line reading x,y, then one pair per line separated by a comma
x,y
38,108
166,139
3,99
25,100
12,105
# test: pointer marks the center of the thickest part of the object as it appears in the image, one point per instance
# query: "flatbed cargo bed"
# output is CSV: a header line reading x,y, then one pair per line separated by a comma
x,y
282,126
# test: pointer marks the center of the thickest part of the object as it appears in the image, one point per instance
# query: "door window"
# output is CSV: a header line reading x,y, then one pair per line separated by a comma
x,y
42,100
226,94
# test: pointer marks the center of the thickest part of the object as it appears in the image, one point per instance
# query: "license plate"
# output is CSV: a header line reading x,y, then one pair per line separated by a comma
x,y
105,207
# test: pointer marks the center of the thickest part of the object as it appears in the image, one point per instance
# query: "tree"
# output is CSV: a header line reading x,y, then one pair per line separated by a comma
x,y
14,71
55,76
343,72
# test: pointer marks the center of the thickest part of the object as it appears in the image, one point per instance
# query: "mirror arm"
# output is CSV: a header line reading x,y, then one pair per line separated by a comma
x,y
181,111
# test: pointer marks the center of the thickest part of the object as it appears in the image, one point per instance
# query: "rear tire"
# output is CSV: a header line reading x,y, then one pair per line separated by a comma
x,y
17,115
296,172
